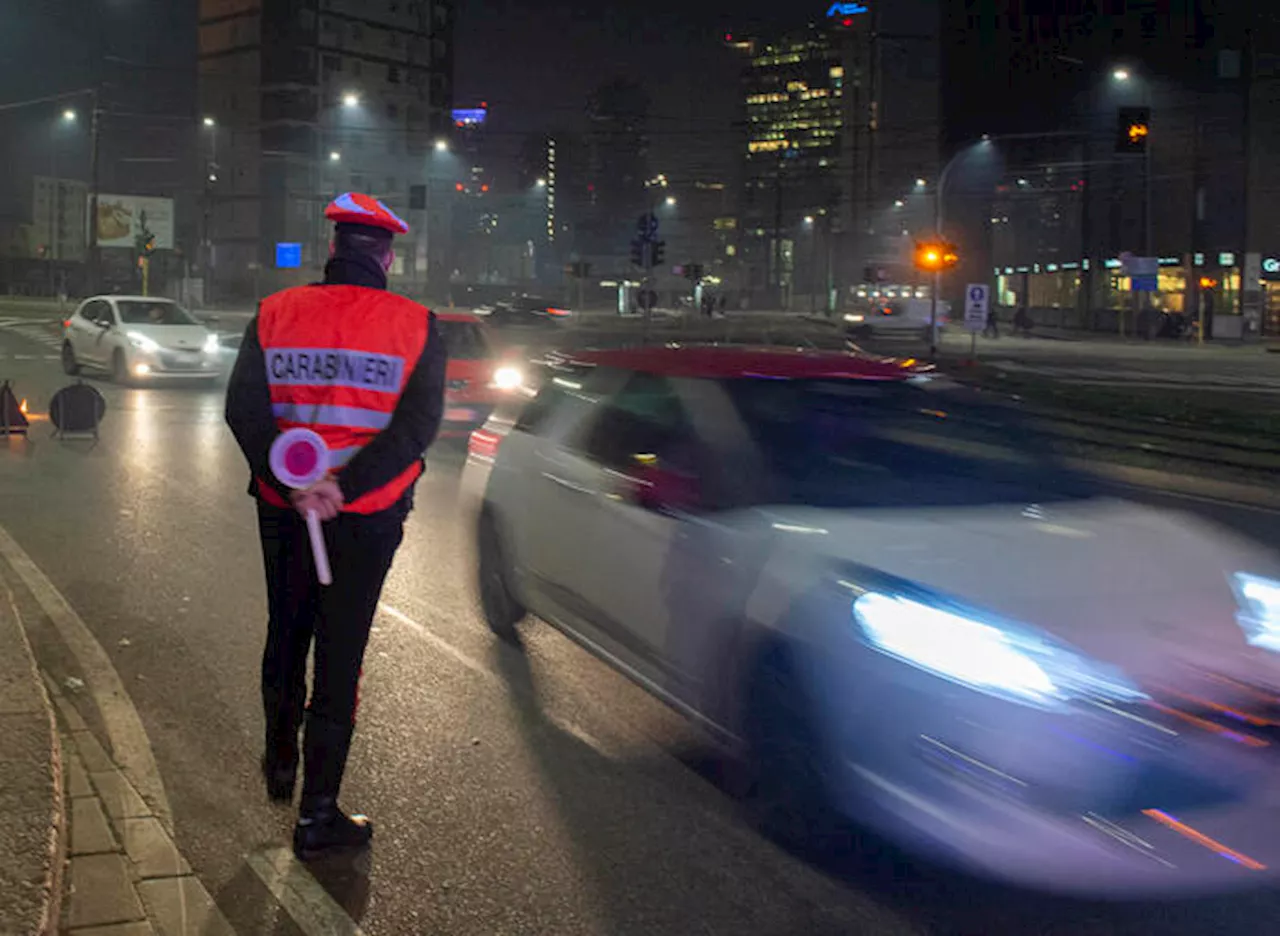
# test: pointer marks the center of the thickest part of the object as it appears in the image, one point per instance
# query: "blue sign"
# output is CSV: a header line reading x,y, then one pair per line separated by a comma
x,y
469,116
847,9
288,256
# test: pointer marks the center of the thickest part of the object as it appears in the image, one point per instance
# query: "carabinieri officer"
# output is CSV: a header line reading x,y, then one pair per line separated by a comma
x,y
366,370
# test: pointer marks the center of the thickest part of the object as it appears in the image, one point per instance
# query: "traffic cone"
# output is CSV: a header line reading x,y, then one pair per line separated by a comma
x,y
12,420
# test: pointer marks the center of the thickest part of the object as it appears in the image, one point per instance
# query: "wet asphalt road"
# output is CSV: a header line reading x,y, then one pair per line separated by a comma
x,y
516,792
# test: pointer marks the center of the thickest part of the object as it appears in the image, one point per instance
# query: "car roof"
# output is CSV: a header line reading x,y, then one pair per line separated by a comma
x,y
114,298
728,361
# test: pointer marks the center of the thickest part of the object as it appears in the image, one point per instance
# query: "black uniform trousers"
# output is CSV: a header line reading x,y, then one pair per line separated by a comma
x,y
336,619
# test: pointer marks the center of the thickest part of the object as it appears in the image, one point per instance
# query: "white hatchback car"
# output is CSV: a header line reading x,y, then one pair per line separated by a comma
x,y
137,338
902,608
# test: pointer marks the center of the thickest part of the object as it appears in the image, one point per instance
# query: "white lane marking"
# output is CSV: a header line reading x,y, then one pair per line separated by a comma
x,y
300,894
437,641
130,746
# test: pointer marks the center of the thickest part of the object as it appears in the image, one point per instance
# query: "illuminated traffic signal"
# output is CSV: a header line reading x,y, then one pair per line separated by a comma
x,y
1133,130
935,256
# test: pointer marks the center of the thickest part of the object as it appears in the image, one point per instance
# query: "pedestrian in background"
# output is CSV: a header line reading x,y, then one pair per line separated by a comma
x,y
365,369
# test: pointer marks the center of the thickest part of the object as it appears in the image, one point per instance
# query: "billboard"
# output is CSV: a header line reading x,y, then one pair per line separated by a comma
x,y
122,218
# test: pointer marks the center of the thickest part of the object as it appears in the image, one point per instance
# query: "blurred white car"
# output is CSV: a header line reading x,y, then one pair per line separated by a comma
x,y
139,339
901,609
895,317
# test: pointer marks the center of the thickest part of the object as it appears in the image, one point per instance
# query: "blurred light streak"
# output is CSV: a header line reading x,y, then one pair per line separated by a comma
x,y
1212,727
1255,720
1201,839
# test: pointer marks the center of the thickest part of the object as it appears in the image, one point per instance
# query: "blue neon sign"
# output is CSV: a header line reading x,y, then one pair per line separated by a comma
x,y
847,9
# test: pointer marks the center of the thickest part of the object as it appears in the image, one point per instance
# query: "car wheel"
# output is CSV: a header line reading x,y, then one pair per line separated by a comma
x,y
119,368
502,611
70,365
790,797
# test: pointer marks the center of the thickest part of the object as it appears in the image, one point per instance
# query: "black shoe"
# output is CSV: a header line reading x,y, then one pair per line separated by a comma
x,y
329,829
281,780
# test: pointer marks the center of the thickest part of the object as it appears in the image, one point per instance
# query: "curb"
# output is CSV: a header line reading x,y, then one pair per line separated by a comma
x,y
29,725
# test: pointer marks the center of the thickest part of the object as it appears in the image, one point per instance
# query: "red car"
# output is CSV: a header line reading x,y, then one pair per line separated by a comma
x,y
478,376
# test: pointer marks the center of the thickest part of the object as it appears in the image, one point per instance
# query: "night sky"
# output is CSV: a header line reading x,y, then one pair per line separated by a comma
x,y
534,62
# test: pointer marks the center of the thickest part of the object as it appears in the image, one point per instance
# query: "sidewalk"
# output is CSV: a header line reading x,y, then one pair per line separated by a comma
x,y
125,875
82,853
31,812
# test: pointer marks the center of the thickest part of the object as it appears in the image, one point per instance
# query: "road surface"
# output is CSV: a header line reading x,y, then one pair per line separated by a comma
x,y
515,792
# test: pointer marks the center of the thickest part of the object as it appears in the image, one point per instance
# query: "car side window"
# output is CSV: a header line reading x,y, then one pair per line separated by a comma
x,y
643,424
89,312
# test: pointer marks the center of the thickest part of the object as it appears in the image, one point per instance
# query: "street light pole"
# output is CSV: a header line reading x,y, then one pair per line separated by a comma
x,y
938,212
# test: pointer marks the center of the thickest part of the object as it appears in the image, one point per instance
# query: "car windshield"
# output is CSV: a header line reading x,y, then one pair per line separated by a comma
x,y
828,443
142,312
465,340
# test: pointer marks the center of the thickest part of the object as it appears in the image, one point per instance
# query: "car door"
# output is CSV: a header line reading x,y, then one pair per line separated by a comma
x,y
96,320
80,328
623,572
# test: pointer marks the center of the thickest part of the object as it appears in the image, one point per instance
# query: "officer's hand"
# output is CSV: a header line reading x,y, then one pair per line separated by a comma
x,y
324,497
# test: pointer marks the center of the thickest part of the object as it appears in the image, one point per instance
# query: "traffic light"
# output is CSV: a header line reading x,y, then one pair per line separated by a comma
x,y
936,256
1133,129
637,252
659,251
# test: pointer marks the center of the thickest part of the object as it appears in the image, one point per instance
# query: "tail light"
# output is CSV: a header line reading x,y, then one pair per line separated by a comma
x,y
66,323
483,444
558,313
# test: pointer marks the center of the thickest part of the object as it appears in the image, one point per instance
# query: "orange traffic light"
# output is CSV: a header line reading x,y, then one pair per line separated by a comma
x,y
1137,133
934,256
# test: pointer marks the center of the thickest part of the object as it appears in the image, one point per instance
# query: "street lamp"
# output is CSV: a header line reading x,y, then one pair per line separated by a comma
x,y
1121,74
808,220
442,146
671,201
210,122
334,156
350,100
541,183
921,182
69,116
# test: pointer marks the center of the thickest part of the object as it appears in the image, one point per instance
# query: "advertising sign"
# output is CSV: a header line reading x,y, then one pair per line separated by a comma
x,y
123,218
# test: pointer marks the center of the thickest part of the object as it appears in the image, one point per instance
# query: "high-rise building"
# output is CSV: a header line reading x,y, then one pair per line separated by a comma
x,y
302,100
841,120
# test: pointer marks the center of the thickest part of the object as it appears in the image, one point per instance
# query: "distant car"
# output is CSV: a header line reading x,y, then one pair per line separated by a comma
x,y
899,608
895,317
479,374
523,310
139,339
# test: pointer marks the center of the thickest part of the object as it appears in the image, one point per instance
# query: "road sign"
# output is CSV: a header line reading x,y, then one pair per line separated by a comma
x,y
647,226
977,305
288,256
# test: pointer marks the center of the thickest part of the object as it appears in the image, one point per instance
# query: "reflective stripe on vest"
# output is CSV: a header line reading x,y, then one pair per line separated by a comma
x,y
351,417
337,360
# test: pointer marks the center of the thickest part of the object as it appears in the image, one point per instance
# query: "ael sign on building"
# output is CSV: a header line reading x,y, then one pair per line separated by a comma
x,y
839,10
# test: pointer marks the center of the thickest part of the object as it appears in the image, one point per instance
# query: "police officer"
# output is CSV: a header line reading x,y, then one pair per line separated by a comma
x,y
365,369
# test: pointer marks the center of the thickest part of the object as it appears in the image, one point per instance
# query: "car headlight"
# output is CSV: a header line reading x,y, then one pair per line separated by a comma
x,y
142,342
508,378
1259,614
985,653
211,345
854,317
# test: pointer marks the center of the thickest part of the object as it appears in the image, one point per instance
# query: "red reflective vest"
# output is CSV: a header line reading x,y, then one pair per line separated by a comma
x,y
338,358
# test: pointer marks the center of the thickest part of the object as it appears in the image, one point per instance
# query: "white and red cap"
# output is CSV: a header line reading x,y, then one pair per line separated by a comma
x,y
354,208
